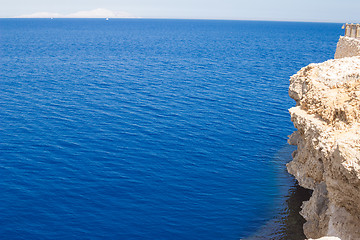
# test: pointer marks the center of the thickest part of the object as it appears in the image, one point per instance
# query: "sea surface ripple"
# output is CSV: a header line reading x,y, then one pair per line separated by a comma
x,y
147,129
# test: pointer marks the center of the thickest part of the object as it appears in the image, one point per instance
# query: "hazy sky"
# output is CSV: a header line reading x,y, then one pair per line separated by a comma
x,y
293,10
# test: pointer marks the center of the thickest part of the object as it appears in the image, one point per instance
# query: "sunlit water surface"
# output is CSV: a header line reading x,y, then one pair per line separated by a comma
x,y
150,129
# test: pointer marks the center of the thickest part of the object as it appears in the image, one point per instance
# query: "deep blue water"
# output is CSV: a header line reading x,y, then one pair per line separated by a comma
x,y
148,129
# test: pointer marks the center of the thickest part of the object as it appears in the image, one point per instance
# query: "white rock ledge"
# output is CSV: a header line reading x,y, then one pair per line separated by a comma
x,y
326,238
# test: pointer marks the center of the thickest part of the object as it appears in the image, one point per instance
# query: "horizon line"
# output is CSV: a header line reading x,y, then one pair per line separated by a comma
x,y
169,18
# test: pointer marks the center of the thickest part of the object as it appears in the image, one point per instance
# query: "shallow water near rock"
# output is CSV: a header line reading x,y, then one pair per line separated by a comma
x,y
150,129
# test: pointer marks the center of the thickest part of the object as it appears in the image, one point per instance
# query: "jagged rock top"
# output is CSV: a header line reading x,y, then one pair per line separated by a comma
x,y
330,90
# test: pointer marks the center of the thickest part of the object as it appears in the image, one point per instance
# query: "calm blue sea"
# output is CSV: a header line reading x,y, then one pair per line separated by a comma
x,y
150,129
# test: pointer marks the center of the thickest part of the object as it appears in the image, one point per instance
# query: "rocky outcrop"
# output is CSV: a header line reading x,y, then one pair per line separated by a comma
x,y
327,160
347,47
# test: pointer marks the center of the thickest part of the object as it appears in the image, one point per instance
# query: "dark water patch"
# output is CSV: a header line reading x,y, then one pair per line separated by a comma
x,y
292,224
287,222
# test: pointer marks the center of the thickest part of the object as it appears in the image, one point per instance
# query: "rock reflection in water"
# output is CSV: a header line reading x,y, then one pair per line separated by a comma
x,y
290,221
287,223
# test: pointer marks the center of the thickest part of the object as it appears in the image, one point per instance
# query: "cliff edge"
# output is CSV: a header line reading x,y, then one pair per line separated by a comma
x,y
327,159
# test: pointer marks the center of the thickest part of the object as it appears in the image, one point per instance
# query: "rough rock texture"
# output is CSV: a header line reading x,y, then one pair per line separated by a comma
x,y
327,160
347,47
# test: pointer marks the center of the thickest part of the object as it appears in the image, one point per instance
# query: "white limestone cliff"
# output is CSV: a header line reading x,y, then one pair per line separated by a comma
x,y
327,160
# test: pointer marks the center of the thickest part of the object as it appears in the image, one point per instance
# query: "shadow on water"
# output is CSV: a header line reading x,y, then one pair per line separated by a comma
x,y
287,223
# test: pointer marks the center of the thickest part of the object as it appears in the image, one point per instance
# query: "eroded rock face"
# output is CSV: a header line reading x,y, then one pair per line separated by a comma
x,y
327,118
